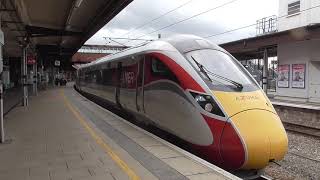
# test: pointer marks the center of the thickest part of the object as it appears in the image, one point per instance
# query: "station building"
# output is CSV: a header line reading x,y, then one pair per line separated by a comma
x,y
301,58
288,44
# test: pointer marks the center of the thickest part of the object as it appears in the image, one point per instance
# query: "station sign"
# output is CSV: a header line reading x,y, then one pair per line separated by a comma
x,y
31,59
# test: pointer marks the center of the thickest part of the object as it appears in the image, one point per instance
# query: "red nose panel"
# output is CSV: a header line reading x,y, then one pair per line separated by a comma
x,y
231,148
211,153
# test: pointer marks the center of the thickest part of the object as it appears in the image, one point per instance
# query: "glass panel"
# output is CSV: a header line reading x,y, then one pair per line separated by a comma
x,y
217,63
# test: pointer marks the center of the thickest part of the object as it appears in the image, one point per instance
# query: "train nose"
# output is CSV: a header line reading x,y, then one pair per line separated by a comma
x,y
253,138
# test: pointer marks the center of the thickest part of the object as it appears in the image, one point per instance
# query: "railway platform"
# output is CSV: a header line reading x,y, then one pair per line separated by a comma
x,y
296,104
304,114
62,135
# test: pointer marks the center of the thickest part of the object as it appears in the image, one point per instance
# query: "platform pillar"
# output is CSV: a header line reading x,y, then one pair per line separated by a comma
x,y
265,71
24,76
2,139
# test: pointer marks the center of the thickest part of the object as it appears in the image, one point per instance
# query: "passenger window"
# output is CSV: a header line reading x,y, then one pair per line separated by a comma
x,y
158,68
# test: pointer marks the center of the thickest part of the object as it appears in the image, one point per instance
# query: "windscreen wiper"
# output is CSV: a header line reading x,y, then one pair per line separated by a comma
x,y
206,71
238,85
202,69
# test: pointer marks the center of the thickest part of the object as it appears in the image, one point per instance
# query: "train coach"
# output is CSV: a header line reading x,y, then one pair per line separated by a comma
x,y
196,91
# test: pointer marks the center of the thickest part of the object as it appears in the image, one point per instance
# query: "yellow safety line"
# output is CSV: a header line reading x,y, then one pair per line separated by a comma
x,y
132,175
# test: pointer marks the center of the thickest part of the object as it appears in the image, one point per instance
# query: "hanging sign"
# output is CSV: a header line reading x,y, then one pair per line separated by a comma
x,y
31,59
283,75
298,75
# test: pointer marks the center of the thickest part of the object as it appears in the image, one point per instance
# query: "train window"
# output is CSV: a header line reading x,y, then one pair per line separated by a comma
x,y
87,76
107,76
220,70
158,68
99,76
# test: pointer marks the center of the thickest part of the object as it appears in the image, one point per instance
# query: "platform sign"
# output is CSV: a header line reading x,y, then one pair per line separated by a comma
x,y
31,59
283,75
298,75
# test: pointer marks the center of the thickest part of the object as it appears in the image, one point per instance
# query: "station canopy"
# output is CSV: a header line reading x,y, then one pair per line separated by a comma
x,y
54,28
253,48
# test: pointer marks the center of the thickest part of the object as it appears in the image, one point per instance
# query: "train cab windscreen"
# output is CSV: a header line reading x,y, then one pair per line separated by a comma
x,y
221,71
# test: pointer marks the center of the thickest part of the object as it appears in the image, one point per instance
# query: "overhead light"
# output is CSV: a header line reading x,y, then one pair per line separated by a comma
x,y
77,3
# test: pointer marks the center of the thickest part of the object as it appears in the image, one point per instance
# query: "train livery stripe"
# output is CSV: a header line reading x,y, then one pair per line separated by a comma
x,y
231,148
186,81
167,85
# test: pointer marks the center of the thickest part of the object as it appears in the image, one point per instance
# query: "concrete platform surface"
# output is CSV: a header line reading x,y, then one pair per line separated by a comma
x,y
62,135
296,104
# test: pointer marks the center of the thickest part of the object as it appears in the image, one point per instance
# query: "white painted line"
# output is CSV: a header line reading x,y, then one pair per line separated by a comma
x,y
303,106
176,148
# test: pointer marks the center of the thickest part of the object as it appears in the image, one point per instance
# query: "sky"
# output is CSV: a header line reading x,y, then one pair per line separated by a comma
x,y
225,15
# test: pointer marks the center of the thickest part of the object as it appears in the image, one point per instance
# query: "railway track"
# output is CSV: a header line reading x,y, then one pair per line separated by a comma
x,y
306,130
304,157
263,177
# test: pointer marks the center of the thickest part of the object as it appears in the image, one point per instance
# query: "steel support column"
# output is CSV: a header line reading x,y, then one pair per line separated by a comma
x,y
1,105
2,140
265,71
24,76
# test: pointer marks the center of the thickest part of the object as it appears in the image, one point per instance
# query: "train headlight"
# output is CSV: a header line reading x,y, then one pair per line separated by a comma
x,y
208,107
207,103
200,98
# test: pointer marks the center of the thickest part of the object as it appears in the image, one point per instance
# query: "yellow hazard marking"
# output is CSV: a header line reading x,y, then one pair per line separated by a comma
x,y
132,175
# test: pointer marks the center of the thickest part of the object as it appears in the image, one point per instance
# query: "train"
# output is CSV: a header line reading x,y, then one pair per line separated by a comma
x,y
197,91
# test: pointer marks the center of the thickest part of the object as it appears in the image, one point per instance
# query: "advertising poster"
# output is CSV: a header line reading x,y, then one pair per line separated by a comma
x,y
298,75
283,75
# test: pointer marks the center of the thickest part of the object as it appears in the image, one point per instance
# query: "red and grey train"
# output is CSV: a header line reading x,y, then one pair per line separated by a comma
x,y
196,91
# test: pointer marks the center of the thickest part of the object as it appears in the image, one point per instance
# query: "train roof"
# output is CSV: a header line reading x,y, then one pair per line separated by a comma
x,y
187,43
179,43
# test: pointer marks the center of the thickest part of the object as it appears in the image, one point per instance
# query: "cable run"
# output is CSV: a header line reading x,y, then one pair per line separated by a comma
x,y
247,26
196,15
155,19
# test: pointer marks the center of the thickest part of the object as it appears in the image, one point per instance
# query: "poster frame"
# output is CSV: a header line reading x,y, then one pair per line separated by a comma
x,y
304,76
289,75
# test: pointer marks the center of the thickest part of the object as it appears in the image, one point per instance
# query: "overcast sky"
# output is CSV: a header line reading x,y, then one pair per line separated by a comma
x,y
230,16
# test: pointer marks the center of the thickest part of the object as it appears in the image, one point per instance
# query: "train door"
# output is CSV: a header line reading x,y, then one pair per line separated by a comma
x,y
118,81
139,87
129,71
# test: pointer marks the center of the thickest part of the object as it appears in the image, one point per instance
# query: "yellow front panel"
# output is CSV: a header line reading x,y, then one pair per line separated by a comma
x,y
264,136
258,125
234,102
